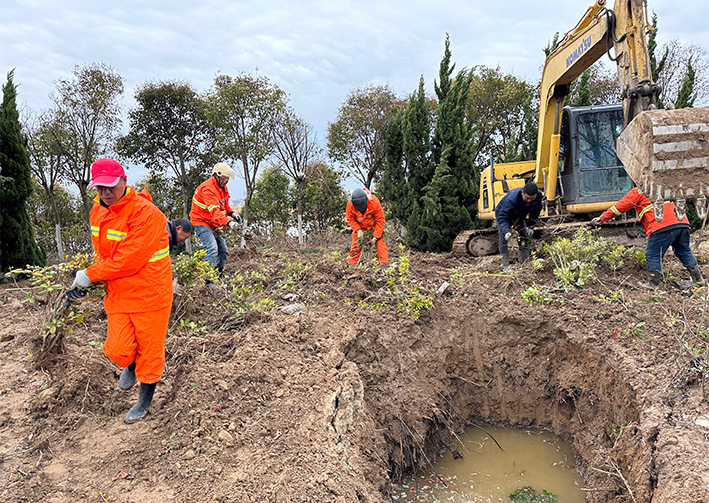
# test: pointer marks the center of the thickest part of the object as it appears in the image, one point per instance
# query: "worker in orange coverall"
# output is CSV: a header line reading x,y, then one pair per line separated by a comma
x,y
364,211
133,260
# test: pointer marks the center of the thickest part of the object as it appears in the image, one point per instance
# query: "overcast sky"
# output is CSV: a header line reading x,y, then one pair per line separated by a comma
x,y
316,51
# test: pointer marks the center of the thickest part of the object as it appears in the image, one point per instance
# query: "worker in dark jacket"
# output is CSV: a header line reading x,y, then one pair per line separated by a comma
x,y
178,231
519,208
669,231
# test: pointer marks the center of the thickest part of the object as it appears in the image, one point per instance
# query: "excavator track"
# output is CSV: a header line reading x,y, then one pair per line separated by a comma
x,y
481,242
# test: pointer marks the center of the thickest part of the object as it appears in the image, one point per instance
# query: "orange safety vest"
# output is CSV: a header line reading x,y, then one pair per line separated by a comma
x,y
133,254
210,205
643,207
373,217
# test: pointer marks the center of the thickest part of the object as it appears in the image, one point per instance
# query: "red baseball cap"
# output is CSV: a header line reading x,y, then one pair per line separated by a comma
x,y
106,172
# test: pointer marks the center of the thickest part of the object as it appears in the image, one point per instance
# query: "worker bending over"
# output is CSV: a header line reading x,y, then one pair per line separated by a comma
x,y
519,209
133,260
661,235
364,212
211,213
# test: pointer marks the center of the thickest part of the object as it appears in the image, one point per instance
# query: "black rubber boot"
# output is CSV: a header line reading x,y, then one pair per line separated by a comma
x,y
523,251
696,274
505,262
128,379
139,410
654,280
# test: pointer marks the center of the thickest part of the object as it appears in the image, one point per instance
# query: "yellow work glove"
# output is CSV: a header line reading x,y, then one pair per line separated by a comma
x,y
374,240
360,235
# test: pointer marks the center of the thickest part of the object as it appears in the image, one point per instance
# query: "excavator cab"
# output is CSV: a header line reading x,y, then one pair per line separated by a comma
x,y
591,175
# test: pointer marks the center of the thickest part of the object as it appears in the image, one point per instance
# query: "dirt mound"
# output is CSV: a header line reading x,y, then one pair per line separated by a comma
x,y
333,399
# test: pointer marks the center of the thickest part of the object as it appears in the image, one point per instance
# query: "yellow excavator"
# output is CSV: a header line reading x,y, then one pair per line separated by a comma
x,y
589,157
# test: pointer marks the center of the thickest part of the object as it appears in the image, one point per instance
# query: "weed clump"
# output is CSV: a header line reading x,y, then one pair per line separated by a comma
x,y
575,260
527,494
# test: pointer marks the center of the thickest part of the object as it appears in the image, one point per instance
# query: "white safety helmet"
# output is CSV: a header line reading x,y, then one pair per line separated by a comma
x,y
223,169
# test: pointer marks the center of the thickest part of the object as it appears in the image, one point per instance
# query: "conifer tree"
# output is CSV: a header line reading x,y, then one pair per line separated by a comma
x,y
18,247
441,215
656,67
393,189
452,136
685,98
417,141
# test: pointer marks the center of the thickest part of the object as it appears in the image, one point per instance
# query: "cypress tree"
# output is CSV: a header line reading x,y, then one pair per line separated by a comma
x,y
417,155
417,141
451,155
686,95
441,215
18,248
656,67
584,93
393,188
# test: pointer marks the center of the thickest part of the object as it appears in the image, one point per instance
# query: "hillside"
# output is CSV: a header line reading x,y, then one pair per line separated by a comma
x,y
331,400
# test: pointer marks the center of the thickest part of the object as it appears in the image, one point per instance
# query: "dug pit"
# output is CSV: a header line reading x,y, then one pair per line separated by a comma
x,y
337,402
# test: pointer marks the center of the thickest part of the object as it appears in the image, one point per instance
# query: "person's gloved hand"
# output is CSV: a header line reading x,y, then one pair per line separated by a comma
x,y
233,224
82,280
235,217
528,232
508,236
360,235
596,221
374,240
74,294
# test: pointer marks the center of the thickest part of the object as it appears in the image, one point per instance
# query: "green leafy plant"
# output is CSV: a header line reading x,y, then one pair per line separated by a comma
x,y
293,273
48,285
192,327
575,259
535,295
456,277
527,494
189,269
611,296
395,288
638,255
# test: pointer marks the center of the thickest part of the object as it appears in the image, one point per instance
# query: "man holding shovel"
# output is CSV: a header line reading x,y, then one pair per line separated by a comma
x,y
133,260
364,212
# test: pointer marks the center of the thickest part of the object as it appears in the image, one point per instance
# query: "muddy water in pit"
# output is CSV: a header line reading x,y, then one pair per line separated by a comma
x,y
485,474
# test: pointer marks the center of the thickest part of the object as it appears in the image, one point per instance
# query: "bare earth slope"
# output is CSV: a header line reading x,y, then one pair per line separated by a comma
x,y
334,402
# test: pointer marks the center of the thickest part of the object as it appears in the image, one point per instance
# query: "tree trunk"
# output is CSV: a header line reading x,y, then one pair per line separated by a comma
x,y
57,225
301,190
87,206
58,239
247,213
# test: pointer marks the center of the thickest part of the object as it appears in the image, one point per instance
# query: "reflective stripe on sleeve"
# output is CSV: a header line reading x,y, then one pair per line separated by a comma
x,y
114,235
160,254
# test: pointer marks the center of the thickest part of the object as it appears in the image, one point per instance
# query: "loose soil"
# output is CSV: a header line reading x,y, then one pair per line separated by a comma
x,y
334,403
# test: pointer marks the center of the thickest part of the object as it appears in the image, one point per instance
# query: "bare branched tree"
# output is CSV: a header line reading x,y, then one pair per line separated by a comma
x,y
296,146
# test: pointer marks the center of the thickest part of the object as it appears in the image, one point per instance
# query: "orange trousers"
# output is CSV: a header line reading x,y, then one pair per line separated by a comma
x,y
382,252
139,338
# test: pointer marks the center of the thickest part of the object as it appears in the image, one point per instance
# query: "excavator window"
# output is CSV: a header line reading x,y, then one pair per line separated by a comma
x,y
601,172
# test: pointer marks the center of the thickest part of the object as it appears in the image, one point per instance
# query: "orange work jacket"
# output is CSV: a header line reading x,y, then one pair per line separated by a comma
x,y
643,207
133,254
210,205
373,217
